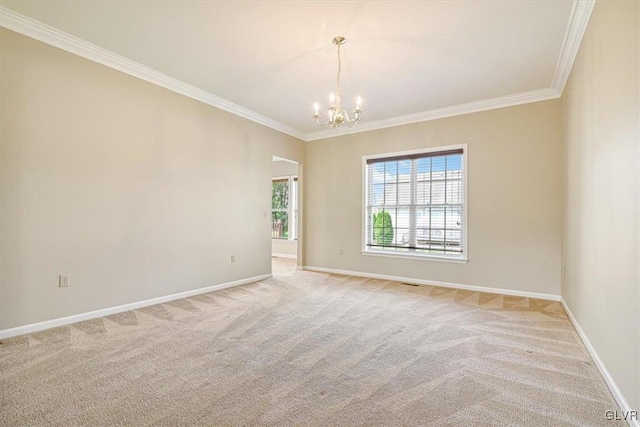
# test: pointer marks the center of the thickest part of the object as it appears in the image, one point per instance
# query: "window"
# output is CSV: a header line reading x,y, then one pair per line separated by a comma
x,y
415,204
284,208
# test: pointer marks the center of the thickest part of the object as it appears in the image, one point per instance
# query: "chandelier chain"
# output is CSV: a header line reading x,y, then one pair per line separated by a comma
x,y
339,68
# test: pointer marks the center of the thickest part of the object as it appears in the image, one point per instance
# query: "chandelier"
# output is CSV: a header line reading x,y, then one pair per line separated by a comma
x,y
336,116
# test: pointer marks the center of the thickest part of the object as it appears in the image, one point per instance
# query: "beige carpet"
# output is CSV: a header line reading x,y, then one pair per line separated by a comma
x,y
280,266
310,349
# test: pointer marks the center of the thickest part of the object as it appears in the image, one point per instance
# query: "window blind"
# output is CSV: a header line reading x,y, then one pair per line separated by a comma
x,y
415,203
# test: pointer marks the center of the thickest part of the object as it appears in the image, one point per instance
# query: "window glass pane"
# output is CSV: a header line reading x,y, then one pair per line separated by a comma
x,y
437,167
454,192
371,216
382,227
423,218
423,193
391,172
437,221
404,193
390,193
454,218
369,231
437,192
402,237
454,241
402,218
423,168
280,225
454,163
376,173
454,174
280,195
402,225
377,195
404,171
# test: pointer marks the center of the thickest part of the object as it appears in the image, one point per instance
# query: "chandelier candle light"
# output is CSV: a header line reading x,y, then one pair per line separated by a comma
x,y
336,115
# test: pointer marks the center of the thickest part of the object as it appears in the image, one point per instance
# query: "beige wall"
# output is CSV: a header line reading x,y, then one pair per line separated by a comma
x,y
133,190
284,247
514,159
601,233
282,168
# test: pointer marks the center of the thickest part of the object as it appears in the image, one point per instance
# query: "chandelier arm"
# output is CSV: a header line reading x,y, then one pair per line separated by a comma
x,y
355,119
320,123
352,122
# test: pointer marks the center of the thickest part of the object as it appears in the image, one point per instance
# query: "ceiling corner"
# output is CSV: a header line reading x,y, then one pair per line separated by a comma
x,y
578,20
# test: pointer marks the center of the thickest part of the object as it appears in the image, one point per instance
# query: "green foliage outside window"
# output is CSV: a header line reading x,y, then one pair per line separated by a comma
x,y
280,206
382,228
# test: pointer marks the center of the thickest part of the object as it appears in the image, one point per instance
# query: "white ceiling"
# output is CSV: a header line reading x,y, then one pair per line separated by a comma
x,y
275,57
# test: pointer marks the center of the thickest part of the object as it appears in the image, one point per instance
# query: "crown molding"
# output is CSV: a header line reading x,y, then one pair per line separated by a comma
x,y
440,113
579,17
37,30
578,20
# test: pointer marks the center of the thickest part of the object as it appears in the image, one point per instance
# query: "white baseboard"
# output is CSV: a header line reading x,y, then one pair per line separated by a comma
x,y
284,256
617,394
35,327
512,292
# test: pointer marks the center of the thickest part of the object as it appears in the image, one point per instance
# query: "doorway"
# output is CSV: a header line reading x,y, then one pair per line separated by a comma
x,y
285,219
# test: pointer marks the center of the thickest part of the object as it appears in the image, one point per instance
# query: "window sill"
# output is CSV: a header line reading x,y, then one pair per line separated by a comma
x,y
283,240
455,260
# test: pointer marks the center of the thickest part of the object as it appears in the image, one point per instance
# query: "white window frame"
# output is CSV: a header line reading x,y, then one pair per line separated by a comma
x,y
464,257
292,211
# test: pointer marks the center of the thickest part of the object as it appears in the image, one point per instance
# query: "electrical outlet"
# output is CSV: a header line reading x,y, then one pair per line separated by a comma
x,y
341,251
64,280
264,214
233,259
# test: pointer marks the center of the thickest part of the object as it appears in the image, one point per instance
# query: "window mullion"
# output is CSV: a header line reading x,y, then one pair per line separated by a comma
x,y
430,200
413,187
444,233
